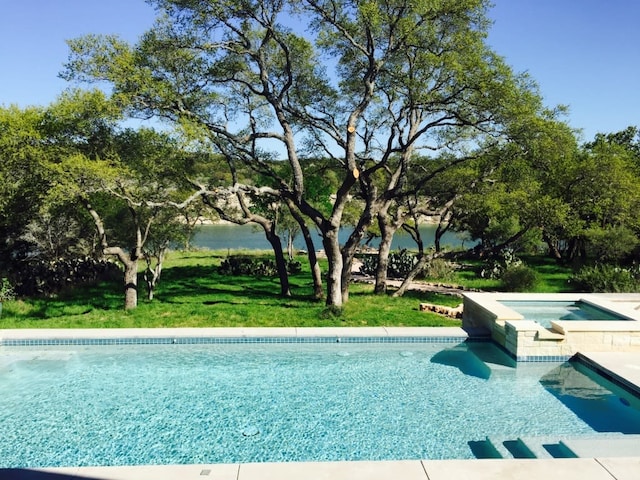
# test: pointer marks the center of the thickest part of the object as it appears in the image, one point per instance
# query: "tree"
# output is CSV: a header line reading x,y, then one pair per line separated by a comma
x,y
125,180
518,191
367,84
23,180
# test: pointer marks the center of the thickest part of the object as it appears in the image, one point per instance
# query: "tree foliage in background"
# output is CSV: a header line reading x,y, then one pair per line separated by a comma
x,y
366,84
89,188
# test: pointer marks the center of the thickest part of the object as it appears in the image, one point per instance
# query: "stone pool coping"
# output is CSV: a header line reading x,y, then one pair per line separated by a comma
x,y
528,340
624,365
616,303
619,468
12,337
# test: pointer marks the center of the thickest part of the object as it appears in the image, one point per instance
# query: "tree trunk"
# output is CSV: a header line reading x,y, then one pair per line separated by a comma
x,y
408,280
281,263
334,275
441,229
383,258
290,245
316,273
389,225
131,284
351,246
554,251
152,273
129,261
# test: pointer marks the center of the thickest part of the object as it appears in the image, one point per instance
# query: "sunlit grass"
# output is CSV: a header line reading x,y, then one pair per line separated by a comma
x,y
192,293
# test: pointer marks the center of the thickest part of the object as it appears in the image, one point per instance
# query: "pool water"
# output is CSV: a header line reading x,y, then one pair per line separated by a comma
x,y
544,312
179,404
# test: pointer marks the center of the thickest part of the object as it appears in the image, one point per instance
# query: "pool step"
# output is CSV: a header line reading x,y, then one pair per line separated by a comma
x,y
612,445
524,447
618,446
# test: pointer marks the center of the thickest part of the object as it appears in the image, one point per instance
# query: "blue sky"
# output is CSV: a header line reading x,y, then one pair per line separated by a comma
x,y
582,53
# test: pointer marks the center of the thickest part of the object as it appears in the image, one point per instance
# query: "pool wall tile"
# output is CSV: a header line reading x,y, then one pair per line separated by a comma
x,y
222,340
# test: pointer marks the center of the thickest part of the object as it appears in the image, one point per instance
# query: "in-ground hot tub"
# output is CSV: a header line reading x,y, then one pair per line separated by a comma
x,y
545,312
556,326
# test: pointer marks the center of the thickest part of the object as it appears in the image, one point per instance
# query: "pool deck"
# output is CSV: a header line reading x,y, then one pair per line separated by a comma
x,y
613,468
624,367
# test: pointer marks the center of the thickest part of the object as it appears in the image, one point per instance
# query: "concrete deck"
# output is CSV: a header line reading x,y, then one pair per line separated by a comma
x,y
624,366
623,468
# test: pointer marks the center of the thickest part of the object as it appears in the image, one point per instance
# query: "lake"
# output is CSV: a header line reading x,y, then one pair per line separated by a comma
x,y
237,237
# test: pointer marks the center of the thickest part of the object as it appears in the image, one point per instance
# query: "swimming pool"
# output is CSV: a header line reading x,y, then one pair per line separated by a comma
x,y
545,311
176,404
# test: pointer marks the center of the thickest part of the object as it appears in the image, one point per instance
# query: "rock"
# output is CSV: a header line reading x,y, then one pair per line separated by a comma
x,y
452,312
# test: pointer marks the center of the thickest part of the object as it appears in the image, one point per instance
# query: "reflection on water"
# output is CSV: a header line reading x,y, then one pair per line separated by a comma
x,y
588,395
229,236
476,359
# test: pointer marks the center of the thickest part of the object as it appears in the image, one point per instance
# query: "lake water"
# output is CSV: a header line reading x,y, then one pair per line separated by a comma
x,y
222,237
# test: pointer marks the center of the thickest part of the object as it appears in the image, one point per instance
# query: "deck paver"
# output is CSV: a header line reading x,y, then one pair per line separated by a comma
x,y
517,469
363,470
622,468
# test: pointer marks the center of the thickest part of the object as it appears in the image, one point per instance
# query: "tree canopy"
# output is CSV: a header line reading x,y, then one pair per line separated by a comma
x,y
367,84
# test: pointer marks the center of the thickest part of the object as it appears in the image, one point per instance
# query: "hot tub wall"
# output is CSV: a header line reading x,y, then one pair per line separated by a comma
x,y
529,341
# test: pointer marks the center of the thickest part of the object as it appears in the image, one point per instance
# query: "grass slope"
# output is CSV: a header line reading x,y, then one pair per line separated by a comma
x,y
192,293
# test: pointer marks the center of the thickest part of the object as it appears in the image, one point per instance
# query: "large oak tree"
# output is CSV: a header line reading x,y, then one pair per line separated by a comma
x,y
367,84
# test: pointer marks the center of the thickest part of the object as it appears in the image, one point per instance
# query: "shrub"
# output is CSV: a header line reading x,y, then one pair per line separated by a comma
x,y
293,267
245,265
499,263
400,264
440,269
6,290
255,267
519,278
606,278
41,277
369,264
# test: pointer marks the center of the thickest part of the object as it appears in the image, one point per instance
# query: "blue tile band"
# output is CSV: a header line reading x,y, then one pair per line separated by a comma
x,y
221,340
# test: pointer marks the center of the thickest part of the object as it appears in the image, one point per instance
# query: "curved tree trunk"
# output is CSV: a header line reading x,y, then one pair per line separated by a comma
x,y
383,258
389,225
131,284
554,251
351,246
281,263
129,261
316,273
334,275
414,231
408,280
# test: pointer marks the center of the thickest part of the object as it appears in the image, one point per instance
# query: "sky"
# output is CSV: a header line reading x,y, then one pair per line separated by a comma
x,y
582,53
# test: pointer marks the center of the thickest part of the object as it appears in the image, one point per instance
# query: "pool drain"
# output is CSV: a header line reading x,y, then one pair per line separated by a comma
x,y
250,431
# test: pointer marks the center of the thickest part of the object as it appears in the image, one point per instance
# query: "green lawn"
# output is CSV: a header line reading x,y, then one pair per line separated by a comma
x,y
192,293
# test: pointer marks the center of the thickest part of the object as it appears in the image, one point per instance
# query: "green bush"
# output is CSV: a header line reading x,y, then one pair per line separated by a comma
x,y
294,267
400,264
497,265
606,278
254,267
440,269
6,290
519,278
45,278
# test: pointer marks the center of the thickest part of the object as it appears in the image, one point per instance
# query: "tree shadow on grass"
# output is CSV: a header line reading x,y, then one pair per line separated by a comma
x,y
204,285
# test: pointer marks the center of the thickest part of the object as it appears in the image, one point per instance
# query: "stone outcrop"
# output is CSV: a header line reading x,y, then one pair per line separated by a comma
x,y
452,312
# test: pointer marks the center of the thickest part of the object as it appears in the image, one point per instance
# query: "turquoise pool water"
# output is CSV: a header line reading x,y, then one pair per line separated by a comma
x,y
179,404
544,312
